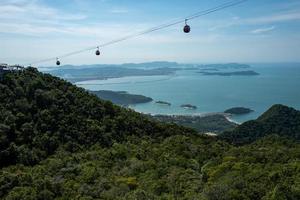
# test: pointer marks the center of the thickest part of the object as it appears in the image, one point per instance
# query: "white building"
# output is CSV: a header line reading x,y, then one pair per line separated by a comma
x,y
5,68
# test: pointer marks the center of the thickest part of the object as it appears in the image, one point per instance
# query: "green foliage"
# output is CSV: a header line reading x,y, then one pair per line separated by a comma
x,y
177,167
60,142
40,113
279,119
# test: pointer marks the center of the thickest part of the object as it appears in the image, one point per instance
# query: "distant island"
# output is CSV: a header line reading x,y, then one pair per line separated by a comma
x,y
189,106
226,66
237,73
238,111
190,68
106,72
80,73
122,98
210,69
163,103
212,123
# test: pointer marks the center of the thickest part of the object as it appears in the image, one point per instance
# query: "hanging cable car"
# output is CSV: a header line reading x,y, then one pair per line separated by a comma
x,y
97,52
57,61
186,28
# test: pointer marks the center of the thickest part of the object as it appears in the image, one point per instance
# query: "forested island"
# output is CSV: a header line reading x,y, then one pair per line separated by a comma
x,y
59,141
163,103
189,106
239,111
122,98
226,66
237,73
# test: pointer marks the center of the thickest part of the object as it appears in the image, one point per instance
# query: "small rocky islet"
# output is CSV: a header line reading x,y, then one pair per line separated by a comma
x,y
188,106
238,111
163,103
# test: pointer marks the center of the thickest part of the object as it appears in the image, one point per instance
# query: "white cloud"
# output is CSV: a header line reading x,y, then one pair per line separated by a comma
x,y
291,15
280,17
119,10
29,11
30,17
263,30
221,24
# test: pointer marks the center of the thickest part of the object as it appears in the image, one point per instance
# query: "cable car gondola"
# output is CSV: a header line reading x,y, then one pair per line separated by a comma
x,y
97,52
57,61
186,28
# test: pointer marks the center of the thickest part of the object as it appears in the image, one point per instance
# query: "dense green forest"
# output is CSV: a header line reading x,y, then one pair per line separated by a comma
x,y
61,142
279,119
40,113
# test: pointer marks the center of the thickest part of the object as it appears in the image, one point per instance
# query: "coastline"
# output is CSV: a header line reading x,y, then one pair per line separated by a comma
x,y
185,80
214,123
227,116
201,115
231,120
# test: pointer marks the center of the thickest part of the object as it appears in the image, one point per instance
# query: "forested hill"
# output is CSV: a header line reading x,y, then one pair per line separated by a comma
x,y
40,113
60,142
279,119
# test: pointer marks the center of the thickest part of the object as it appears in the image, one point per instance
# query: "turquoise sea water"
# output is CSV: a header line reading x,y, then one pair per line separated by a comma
x,y
276,84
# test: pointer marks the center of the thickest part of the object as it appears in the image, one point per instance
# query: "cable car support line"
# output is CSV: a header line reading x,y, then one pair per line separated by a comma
x,y
184,20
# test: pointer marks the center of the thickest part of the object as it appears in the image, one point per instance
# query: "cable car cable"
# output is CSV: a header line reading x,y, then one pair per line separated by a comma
x,y
160,27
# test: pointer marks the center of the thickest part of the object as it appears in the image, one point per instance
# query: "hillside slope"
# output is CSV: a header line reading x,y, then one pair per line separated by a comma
x,y
59,142
279,119
177,167
40,113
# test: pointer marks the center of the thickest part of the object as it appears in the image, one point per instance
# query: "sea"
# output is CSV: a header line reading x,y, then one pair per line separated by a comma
x,y
276,84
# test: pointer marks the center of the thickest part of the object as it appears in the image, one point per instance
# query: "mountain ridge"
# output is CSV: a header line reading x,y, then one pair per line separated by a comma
x,y
279,119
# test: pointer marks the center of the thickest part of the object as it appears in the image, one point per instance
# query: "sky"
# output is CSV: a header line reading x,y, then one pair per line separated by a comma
x,y
253,32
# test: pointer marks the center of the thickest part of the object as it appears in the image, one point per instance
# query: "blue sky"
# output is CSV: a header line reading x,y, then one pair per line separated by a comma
x,y
256,31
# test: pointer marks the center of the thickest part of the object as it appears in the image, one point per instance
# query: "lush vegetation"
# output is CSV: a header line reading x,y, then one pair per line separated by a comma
x,y
122,98
40,113
238,111
178,167
279,119
61,142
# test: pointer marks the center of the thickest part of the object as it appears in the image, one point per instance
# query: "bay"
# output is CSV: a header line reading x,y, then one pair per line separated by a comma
x,y
276,84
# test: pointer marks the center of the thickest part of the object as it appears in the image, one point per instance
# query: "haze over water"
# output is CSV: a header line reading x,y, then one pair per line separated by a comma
x,y
276,84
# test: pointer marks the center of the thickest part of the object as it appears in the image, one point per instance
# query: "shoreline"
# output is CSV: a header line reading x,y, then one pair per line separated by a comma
x,y
231,120
215,123
201,115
